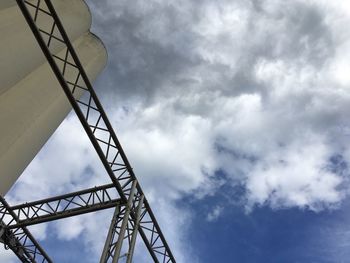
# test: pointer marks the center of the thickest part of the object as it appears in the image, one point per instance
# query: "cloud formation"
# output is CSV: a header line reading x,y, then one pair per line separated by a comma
x,y
254,90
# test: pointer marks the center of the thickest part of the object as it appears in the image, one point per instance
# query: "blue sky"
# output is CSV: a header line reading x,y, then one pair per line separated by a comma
x,y
266,235
235,118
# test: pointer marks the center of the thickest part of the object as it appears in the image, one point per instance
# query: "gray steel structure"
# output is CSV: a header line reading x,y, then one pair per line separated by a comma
x,y
133,214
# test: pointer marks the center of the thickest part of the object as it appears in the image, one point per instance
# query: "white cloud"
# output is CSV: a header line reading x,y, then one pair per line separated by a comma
x,y
295,177
215,213
251,82
168,151
7,256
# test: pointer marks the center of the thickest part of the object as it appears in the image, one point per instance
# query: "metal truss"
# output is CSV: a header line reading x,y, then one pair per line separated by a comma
x,y
14,219
68,205
19,239
133,213
123,227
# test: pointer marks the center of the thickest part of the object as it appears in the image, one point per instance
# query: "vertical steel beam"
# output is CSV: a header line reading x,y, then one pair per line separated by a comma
x,y
135,231
124,225
110,235
117,231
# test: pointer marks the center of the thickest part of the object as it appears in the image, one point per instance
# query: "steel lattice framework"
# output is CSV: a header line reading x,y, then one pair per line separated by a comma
x,y
133,214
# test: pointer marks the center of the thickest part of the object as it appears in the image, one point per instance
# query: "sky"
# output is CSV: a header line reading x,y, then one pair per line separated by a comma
x,y
235,118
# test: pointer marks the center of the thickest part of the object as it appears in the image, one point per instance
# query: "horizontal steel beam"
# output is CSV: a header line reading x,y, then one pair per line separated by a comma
x,y
67,205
